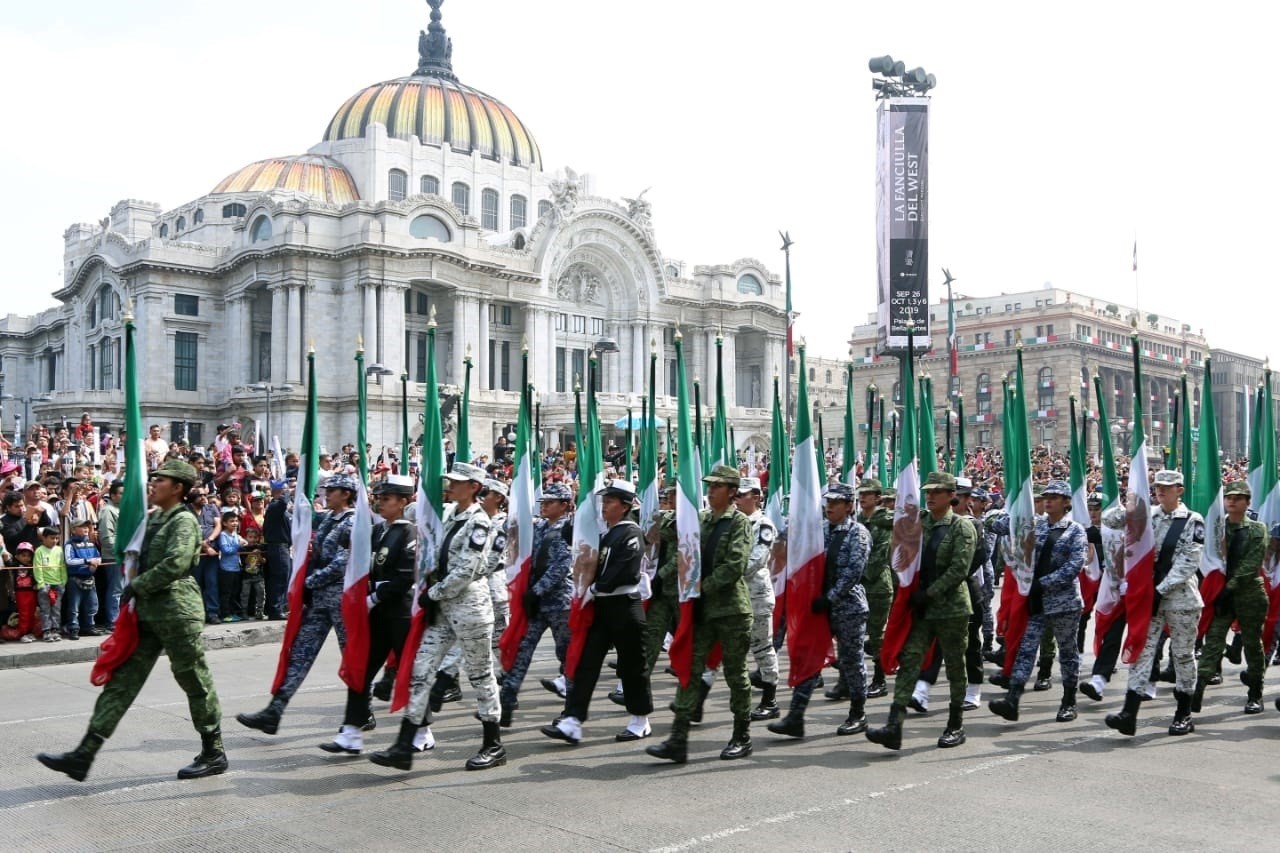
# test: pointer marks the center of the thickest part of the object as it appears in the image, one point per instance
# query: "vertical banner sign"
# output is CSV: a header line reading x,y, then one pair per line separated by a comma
x,y
902,222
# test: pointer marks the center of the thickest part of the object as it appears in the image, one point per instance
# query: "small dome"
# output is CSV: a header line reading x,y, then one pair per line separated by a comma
x,y
437,110
318,176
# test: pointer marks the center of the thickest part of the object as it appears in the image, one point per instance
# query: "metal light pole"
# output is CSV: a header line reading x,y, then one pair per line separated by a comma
x,y
404,424
268,388
26,412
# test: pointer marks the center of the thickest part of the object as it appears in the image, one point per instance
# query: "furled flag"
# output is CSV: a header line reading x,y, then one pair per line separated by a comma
x,y
131,524
957,462
355,580
1109,605
953,347
808,633
1267,500
776,498
304,496
928,452
462,446
722,450
1135,255
586,528
428,515
519,554
1091,574
1206,499
1022,519
649,487
849,454
688,529
1139,540
907,522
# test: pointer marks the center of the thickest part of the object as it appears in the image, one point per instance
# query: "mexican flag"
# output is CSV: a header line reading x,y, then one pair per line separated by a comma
x,y
519,555
722,450
1139,540
132,520
355,581
808,633
957,464
775,505
1267,501
304,496
928,452
1206,499
688,529
907,522
1091,574
1108,606
881,470
649,486
428,514
1185,459
1022,521
587,528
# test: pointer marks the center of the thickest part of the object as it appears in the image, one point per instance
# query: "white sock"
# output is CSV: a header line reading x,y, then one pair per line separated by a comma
x,y
1099,683
560,682
571,726
638,725
618,689
921,693
666,641
350,737
1151,690
973,693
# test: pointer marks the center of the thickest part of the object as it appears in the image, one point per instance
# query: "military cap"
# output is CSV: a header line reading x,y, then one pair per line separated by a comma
x,y
870,484
463,471
964,486
891,492
749,484
980,494
1095,499
1061,488
618,488
177,470
557,492
492,485
395,484
839,492
341,481
939,480
1237,487
1168,477
723,474
1037,490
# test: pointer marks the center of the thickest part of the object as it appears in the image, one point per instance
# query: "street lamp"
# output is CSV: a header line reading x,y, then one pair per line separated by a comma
x,y
601,347
26,412
1122,431
268,388
378,370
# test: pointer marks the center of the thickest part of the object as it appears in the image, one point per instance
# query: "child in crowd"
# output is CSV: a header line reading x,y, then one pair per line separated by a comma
x,y
229,544
82,560
253,592
24,592
50,567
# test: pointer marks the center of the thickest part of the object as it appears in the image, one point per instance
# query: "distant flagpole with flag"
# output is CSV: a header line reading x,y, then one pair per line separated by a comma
x,y
722,452
957,463
649,486
519,554
586,528
355,580
1108,606
131,523
1021,507
881,471
1267,500
1186,461
928,451
1140,548
849,454
1206,499
429,517
463,446
1091,574
688,529
907,521
304,496
777,490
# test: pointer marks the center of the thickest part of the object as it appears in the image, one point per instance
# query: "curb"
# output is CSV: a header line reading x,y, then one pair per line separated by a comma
x,y
28,655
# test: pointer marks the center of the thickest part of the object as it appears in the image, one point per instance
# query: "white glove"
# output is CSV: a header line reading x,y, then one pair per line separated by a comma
x,y
371,601
1124,587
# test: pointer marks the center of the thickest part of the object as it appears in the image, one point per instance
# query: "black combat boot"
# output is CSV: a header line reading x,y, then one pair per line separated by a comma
x,y
1167,674
877,688
266,721
1182,724
889,735
1197,696
999,680
757,680
492,753
768,708
703,689
856,722
1067,710
792,725
953,735
508,711
75,763
1044,677
1126,722
740,744
382,689
400,754
676,746
211,761
1253,703
1236,649
839,691
1007,707
443,689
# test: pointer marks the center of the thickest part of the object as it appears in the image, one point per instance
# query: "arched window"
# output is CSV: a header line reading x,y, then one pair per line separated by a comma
x,y
984,394
180,225
828,377
519,211
199,216
489,210
462,197
261,230
164,231
397,185
749,284
233,210
813,374
544,207
430,185
518,242
429,226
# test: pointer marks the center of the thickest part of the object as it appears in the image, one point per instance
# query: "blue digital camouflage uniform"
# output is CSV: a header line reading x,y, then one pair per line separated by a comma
x,y
551,582
1056,605
464,614
331,551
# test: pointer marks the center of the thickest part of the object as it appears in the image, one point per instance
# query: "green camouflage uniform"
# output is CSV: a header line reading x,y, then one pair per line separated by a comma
x,y
663,606
946,615
724,615
877,580
170,619
1243,598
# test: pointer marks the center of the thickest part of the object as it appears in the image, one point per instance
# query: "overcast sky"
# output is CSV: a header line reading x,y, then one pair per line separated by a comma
x,y
1058,133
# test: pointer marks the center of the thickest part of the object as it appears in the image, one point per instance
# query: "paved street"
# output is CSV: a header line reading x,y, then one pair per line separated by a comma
x,y
1033,784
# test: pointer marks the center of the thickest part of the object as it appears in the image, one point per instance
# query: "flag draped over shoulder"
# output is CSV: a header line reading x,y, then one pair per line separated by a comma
x,y
688,529
519,554
1022,519
587,528
355,580
1109,605
428,515
908,525
131,524
1206,499
304,495
1267,500
1139,539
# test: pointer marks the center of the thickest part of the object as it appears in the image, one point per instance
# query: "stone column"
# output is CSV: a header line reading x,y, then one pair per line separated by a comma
x,y
279,330
457,335
370,321
547,382
244,318
292,368
730,371
481,355
393,351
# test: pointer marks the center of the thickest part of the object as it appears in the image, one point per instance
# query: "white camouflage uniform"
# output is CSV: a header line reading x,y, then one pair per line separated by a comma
x,y
760,588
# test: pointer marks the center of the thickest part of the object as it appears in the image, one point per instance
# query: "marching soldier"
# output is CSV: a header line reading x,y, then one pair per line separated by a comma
x,y
877,579
1243,599
760,589
322,600
1179,539
941,607
170,619
391,573
456,598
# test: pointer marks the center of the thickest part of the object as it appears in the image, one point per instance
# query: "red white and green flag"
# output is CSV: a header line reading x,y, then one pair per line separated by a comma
x,y
778,487
1109,605
355,581
688,528
1206,499
849,455
649,486
1139,541
1091,574
907,522
587,527
1022,519
1267,500
519,554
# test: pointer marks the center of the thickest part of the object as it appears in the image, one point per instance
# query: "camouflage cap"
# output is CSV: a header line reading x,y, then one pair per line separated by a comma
x,y
557,492
939,480
723,474
177,470
1168,477
869,484
341,481
493,485
839,492
1237,487
890,492
1061,488
1037,490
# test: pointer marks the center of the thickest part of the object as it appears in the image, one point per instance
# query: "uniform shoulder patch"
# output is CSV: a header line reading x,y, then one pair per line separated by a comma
x,y
1197,532
500,540
479,536
382,556
767,534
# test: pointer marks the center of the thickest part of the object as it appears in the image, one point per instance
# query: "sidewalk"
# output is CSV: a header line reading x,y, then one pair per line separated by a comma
x,y
15,655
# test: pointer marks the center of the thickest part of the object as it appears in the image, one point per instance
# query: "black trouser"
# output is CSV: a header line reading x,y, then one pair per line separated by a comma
x,y
228,594
972,656
277,579
385,634
618,622
1109,650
